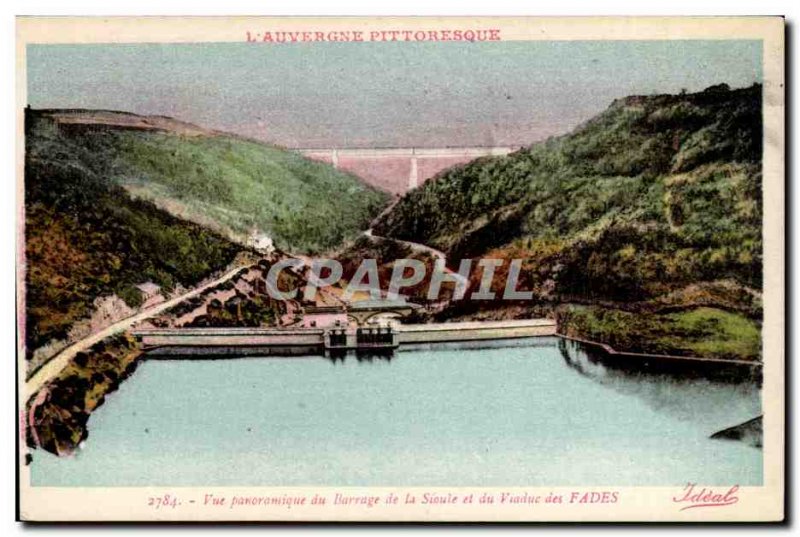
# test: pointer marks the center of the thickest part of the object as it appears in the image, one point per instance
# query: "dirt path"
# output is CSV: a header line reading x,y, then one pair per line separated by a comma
x,y
57,363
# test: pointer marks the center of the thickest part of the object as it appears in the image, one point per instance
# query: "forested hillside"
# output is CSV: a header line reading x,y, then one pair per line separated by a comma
x,y
654,204
113,200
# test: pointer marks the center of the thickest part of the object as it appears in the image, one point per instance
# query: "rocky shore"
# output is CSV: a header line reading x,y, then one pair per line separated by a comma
x,y
750,432
57,415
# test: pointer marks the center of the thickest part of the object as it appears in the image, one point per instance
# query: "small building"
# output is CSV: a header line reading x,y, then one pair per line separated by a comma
x,y
261,242
151,294
324,317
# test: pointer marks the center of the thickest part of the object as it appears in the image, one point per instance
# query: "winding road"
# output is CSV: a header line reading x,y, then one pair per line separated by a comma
x,y
422,248
50,369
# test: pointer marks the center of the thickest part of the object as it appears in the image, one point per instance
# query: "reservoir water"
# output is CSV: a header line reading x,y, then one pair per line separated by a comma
x,y
539,414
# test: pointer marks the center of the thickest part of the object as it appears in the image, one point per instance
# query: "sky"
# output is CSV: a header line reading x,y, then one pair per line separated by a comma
x,y
382,94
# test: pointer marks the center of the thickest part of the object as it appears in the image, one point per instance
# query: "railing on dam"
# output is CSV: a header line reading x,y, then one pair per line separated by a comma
x,y
269,341
296,341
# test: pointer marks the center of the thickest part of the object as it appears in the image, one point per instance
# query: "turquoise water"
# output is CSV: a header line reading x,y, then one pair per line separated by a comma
x,y
455,417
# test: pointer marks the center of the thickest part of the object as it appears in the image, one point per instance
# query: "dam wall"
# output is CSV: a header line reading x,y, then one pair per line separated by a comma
x,y
475,331
220,342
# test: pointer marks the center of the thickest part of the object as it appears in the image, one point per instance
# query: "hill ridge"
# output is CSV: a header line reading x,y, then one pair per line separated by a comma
x,y
652,196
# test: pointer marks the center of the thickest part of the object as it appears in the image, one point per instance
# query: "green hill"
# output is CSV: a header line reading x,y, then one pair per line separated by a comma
x,y
113,200
652,206
223,182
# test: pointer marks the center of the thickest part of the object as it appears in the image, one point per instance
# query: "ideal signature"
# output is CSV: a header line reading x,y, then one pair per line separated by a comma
x,y
706,497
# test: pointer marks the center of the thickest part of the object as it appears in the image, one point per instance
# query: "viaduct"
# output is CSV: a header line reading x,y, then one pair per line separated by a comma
x,y
398,170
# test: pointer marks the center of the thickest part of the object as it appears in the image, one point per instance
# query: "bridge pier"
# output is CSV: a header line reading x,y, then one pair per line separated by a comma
x,y
413,176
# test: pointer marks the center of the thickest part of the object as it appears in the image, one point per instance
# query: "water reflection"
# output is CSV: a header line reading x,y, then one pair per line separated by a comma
x,y
361,355
510,416
713,394
588,359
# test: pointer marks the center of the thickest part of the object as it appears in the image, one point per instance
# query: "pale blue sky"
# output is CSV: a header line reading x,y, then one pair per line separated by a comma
x,y
382,94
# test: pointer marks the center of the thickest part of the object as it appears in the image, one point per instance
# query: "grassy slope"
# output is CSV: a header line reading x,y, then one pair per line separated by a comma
x,y
87,236
709,332
656,197
230,184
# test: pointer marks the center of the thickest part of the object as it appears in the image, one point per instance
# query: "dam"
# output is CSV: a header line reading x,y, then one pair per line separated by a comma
x,y
237,342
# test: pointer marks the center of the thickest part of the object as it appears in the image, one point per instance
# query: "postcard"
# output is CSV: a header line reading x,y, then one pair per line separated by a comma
x,y
400,269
